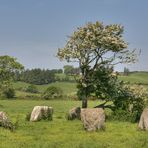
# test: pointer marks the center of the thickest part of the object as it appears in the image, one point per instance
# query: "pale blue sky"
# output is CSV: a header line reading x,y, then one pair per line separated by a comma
x,y
33,30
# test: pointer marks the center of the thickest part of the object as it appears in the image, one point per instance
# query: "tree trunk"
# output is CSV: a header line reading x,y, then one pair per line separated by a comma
x,y
84,103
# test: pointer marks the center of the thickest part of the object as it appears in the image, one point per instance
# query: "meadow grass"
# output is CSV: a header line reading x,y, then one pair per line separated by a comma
x,y
61,133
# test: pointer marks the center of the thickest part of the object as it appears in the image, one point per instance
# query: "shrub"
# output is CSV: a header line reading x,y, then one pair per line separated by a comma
x,y
32,89
130,103
127,101
52,92
9,92
121,115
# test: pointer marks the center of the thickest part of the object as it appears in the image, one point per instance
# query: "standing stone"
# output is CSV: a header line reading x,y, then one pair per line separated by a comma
x,y
74,113
143,123
4,121
3,117
41,112
93,118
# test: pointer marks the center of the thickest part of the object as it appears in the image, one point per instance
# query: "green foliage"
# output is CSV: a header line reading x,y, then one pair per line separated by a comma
x,y
130,99
7,90
52,92
126,99
32,89
121,115
102,85
105,83
8,66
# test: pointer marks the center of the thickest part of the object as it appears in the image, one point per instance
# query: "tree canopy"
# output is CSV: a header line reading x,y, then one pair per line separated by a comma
x,y
8,67
92,46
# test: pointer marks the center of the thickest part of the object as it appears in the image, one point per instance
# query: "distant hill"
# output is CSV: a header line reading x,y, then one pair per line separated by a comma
x,y
69,88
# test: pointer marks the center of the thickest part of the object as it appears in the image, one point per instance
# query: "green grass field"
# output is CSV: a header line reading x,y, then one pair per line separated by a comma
x,y
61,133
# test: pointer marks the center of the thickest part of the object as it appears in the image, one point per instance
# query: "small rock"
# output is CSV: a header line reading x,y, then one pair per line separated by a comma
x,y
93,118
143,123
74,113
41,112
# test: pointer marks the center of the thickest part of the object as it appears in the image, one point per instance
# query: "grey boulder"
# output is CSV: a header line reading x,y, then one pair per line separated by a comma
x,y
4,121
143,123
93,118
41,113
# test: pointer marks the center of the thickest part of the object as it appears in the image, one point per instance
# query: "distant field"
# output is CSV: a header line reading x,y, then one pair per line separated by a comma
x,y
137,77
67,87
61,133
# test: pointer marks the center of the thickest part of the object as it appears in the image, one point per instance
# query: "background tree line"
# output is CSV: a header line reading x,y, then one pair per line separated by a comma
x,y
37,76
45,76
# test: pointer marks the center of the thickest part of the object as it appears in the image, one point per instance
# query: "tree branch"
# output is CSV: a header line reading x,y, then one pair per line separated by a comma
x,y
105,106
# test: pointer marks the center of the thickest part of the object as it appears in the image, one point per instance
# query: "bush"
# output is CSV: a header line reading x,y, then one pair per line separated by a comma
x,y
52,92
130,103
32,89
9,92
121,115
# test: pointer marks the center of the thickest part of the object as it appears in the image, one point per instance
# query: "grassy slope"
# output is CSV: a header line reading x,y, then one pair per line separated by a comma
x,y
60,133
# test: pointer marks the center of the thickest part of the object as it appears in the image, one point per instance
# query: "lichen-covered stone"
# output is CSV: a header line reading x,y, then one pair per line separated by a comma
x,y
143,123
4,121
93,118
41,113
